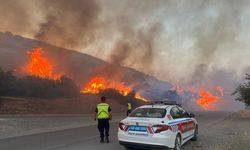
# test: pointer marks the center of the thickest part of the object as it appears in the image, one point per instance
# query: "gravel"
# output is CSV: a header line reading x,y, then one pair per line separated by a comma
x,y
230,133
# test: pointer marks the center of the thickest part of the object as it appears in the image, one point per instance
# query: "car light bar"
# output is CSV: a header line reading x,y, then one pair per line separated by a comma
x,y
166,102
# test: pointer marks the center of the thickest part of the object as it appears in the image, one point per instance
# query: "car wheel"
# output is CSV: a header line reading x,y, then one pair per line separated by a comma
x,y
195,134
177,142
128,148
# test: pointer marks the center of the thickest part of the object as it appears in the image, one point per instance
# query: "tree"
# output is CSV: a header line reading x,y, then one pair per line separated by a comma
x,y
68,88
8,84
242,92
33,86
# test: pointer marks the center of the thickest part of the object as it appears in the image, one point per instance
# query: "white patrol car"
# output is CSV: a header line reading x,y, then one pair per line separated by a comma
x,y
157,126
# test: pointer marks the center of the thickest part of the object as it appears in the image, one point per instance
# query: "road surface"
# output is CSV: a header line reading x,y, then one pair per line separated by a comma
x,y
87,138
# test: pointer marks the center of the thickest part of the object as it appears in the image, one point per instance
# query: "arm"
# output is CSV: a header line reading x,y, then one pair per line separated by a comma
x,y
95,114
110,114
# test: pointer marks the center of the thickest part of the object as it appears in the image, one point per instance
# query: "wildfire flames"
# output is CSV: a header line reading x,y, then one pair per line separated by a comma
x,y
40,66
137,96
96,84
207,98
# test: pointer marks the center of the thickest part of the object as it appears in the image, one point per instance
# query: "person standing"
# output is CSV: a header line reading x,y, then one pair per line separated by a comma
x,y
103,115
129,108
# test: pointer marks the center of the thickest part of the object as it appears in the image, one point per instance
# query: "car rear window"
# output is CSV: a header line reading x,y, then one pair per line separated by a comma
x,y
149,113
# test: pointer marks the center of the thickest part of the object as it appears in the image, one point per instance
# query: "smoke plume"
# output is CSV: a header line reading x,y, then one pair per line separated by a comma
x,y
68,23
180,41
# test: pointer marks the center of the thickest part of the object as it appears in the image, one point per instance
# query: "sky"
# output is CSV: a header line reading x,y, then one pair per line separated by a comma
x,y
185,42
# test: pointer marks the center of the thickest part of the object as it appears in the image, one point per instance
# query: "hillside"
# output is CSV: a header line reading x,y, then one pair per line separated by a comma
x,y
78,66
82,105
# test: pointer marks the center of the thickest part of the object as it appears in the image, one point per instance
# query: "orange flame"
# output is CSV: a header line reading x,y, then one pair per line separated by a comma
x,y
137,96
206,99
40,66
96,84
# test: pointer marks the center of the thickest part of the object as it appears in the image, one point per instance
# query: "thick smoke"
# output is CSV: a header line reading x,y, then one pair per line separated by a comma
x,y
15,17
68,23
136,46
62,23
185,42
217,30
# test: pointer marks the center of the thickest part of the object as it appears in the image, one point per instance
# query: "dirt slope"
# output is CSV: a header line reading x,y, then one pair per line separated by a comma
x,y
83,105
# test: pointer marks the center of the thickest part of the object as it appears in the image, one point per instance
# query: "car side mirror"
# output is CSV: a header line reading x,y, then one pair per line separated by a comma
x,y
191,115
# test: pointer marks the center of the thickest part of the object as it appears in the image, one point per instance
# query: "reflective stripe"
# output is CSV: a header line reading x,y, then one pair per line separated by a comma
x,y
180,121
129,106
103,110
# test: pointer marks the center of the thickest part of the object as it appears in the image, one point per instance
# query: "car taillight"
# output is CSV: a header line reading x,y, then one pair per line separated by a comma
x,y
160,128
122,126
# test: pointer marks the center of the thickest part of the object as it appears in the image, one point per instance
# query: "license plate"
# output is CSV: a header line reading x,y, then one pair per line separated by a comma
x,y
137,128
138,134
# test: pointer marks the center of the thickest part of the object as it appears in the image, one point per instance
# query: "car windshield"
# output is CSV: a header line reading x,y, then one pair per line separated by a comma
x,y
149,113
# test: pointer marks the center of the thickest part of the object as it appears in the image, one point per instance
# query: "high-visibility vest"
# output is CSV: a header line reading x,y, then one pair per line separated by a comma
x,y
129,106
103,111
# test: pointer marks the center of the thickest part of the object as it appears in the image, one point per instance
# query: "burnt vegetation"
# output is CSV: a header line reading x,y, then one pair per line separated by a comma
x,y
37,87
242,92
32,86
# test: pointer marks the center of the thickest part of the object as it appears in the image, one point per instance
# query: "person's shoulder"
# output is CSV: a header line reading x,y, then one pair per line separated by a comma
x,y
107,104
102,104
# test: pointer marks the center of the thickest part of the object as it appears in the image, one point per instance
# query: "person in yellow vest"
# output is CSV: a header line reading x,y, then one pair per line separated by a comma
x,y
103,115
129,108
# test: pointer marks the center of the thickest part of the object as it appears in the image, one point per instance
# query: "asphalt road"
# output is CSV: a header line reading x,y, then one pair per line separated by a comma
x,y
87,138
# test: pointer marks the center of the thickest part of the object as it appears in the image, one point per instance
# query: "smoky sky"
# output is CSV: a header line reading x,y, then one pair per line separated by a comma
x,y
175,40
68,23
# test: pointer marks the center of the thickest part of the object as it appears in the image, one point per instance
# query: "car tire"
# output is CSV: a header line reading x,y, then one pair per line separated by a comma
x,y
195,138
177,145
128,148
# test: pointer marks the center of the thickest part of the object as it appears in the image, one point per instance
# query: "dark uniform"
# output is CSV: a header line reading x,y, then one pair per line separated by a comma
x,y
102,110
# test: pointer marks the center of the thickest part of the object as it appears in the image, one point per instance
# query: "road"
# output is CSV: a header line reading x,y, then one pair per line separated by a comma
x,y
87,138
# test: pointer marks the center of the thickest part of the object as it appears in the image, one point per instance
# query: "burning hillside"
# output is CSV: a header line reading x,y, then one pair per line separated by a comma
x,y
153,41
49,62
97,84
40,66
203,97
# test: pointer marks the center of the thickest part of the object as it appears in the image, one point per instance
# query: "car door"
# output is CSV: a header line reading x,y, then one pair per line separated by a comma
x,y
189,129
179,120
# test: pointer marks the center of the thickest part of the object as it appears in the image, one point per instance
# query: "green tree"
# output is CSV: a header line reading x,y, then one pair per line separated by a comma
x,y
242,92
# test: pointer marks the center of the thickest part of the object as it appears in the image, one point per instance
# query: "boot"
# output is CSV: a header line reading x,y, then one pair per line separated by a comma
x,y
102,140
107,139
